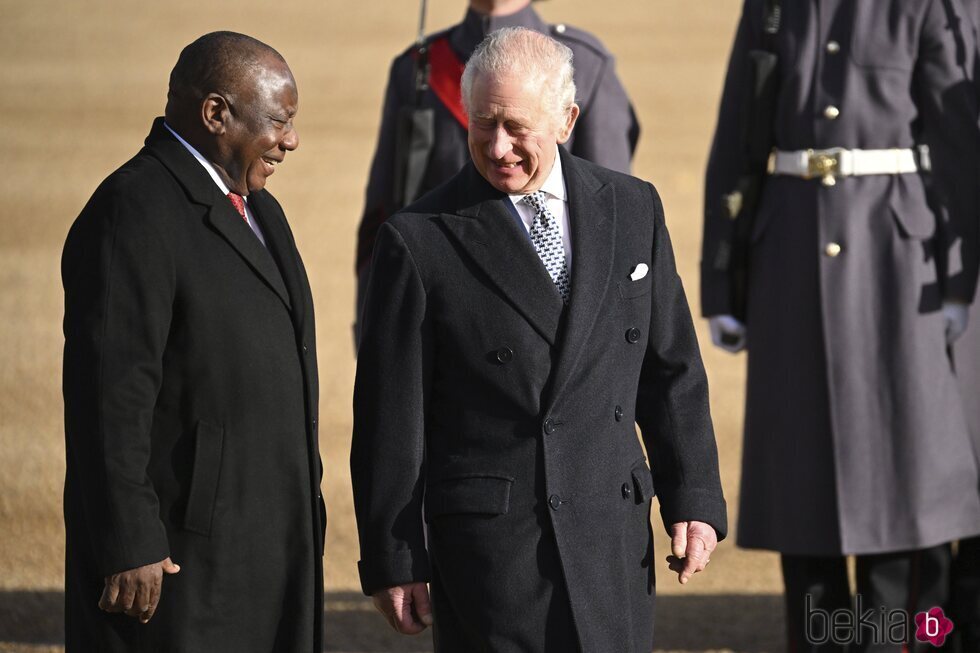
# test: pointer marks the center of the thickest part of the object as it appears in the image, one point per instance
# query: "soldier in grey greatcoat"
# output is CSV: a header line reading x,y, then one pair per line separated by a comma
x,y
606,133
860,267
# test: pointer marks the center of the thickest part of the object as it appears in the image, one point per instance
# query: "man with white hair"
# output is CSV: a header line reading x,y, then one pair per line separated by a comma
x,y
519,321
424,84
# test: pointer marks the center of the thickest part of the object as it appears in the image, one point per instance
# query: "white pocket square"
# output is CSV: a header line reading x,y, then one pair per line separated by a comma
x,y
639,271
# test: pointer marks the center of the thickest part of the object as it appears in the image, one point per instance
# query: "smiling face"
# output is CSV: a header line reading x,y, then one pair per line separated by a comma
x,y
513,138
258,129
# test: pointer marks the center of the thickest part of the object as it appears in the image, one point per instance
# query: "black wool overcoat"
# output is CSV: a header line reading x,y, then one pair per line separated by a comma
x,y
508,421
190,388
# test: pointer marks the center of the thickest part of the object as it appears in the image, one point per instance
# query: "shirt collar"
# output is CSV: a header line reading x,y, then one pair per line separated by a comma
x,y
200,159
475,27
554,185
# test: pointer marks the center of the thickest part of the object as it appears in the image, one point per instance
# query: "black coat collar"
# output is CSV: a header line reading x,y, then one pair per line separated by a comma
x,y
223,217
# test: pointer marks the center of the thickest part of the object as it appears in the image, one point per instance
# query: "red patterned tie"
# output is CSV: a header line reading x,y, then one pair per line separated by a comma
x,y
239,203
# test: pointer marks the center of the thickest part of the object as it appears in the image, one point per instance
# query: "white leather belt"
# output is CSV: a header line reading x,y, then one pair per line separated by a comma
x,y
839,162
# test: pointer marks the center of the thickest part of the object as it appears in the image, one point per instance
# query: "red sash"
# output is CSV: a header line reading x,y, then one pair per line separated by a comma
x,y
445,73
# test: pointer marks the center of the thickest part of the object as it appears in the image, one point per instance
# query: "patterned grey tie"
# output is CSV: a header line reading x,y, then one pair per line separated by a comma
x,y
548,243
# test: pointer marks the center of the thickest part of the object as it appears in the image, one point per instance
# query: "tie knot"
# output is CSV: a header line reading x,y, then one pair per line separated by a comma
x,y
239,203
536,200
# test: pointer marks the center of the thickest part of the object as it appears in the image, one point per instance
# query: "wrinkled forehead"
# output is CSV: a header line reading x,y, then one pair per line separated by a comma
x,y
505,92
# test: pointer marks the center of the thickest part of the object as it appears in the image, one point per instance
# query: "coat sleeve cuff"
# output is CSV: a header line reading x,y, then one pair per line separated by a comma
x,y
716,293
394,568
135,550
694,505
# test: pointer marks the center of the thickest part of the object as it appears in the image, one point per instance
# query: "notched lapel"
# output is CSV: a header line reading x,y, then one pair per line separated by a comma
x,y
280,245
592,217
221,214
227,222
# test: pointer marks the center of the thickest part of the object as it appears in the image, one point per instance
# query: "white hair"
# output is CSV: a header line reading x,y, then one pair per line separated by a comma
x,y
540,61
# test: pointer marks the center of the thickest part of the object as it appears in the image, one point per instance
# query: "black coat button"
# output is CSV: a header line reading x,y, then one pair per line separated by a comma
x,y
549,426
554,502
505,355
305,348
633,335
627,491
618,413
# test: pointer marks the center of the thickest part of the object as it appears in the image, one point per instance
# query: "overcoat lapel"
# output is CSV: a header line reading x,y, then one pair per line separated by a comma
x,y
592,217
486,229
221,215
280,245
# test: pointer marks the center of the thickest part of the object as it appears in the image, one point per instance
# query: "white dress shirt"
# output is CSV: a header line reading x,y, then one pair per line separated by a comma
x,y
249,216
557,202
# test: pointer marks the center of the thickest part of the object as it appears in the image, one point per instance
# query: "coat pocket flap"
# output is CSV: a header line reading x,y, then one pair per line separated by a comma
x,y
642,483
474,495
209,439
908,204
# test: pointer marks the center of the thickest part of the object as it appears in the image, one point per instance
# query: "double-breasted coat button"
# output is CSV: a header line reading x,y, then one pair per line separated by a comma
x,y
633,335
505,355
627,491
554,502
832,249
549,426
831,112
618,413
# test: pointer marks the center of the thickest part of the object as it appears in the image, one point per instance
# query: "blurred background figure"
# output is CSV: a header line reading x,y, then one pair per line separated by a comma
x,y
846,272
422,140
966,569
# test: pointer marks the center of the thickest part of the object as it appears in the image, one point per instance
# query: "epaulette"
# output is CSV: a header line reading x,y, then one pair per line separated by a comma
x,y
573,35
410,50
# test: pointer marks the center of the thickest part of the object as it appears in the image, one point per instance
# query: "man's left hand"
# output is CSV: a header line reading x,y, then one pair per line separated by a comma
x,y
691,543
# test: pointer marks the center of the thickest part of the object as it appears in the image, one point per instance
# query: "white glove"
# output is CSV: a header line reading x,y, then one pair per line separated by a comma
x,y
727,333
957,317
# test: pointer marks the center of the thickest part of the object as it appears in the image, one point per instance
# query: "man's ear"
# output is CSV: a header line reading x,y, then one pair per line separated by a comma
x,y
215,113
565,131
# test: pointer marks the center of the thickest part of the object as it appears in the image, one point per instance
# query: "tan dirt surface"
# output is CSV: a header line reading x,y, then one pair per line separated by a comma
x,y
81,83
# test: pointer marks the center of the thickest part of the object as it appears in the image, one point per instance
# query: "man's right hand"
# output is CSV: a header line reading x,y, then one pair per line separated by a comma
x,y
406,607
727,333
136,592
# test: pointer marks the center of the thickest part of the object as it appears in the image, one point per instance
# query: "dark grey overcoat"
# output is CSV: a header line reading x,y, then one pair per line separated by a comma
x,y
190,388
855,440
605,133
511,419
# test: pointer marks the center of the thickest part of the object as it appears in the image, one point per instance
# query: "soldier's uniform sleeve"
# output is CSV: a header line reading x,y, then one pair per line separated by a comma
x,y
607,130
947,103
378,197
724,168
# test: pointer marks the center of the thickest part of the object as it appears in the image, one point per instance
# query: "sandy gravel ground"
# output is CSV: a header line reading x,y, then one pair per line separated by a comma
x,y
80,83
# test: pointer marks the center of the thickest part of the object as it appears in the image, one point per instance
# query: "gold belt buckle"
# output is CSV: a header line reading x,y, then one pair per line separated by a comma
x,y
824,165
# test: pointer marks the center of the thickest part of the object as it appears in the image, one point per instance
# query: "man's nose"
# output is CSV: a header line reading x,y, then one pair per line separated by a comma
x,y
291,140
500,144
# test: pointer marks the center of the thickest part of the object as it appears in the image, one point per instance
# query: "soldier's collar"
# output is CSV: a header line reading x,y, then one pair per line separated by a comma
x,y
475,27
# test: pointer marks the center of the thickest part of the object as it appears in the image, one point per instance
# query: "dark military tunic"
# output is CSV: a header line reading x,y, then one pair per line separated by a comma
x,y
855,439
606,131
